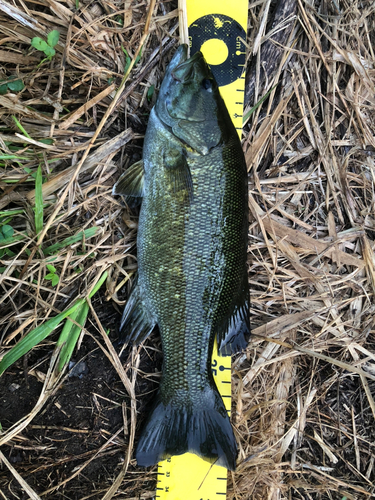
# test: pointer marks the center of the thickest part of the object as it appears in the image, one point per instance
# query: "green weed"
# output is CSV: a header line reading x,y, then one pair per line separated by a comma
x,y
128,59
6,234
46,47
12,85
52,275
7,237
6,231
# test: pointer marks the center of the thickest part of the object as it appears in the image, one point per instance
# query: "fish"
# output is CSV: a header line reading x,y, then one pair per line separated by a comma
x,y
191,248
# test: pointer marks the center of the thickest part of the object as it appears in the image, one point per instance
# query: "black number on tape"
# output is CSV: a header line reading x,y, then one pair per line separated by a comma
x,y
231,33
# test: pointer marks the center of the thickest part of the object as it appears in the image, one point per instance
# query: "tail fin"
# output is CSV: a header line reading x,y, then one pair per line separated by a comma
x,y
203,429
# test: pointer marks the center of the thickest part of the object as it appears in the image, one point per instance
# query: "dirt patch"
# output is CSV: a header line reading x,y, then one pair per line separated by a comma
x,y
80,428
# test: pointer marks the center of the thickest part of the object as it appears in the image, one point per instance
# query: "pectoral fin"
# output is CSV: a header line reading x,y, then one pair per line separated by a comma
x,y
179,174
131,183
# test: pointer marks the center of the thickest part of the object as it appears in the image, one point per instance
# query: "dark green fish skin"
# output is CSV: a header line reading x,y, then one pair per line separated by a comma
x,y
192,244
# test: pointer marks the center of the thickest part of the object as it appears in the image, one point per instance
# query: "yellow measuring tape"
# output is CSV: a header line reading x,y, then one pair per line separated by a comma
x,y
217,28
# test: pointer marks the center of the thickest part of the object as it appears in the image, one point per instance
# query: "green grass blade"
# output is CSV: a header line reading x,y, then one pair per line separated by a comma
x,y
99,284
21,127
7,213
87,233
78,311
34,337
12,157
38,201
65,332
73,335
5,221
71,332
249,113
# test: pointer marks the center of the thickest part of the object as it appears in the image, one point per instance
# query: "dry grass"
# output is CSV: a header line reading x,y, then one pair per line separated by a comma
x,y
303,391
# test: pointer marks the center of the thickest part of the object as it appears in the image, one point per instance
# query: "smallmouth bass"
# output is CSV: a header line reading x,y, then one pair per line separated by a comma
x,y
192,245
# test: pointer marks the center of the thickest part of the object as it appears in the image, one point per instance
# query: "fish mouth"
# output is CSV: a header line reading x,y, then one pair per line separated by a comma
x,y
181,71
179,57
184,71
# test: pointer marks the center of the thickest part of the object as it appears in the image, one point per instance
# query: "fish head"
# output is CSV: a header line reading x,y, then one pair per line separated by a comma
x,y
190,104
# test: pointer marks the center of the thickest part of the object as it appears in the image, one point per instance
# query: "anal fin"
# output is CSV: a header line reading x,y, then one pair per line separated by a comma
x,y
234,332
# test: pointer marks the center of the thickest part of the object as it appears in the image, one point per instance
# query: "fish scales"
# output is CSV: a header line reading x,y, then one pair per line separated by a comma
x,y
192,243
186,251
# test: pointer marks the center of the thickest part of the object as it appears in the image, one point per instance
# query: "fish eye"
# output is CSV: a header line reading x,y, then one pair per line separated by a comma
x,y
175,79
207,85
